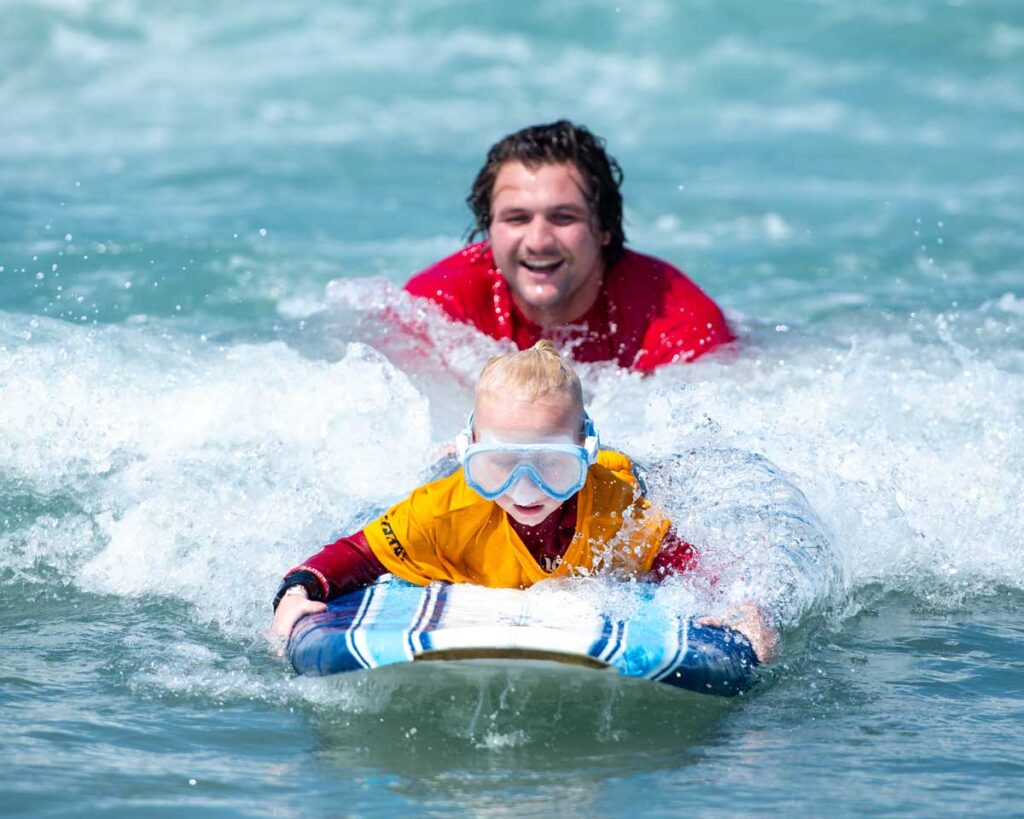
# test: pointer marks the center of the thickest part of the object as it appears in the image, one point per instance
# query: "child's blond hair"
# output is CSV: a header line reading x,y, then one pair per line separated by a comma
x,y
532,375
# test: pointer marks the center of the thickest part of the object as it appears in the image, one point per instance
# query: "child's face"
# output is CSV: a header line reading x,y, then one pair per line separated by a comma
x,y
511,420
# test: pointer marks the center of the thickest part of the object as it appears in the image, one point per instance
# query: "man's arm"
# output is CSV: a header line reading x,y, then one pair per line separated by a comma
x,y
687,324
458,284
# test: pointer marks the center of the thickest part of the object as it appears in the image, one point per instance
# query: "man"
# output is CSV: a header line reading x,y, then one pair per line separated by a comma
x,y
553,263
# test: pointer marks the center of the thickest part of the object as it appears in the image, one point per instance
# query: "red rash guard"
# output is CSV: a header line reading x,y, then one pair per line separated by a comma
x,y
647,314
349,563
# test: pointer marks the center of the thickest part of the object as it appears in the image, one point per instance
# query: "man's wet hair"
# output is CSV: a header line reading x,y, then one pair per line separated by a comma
x,y
557,143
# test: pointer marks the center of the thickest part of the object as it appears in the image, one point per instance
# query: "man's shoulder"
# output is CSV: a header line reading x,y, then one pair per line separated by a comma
x,y
644,287
462,284
636,267
651,286
473,264
675,319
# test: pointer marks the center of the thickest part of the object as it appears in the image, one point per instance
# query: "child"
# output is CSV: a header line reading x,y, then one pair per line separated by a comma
x,y
535,498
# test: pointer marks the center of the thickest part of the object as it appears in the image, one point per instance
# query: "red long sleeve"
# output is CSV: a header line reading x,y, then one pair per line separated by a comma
x,y
676,556
344,565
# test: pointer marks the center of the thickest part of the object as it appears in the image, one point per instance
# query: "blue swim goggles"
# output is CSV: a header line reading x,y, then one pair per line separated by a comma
x,y
560,470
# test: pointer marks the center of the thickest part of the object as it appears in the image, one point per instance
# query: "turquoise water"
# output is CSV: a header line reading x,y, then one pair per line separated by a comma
x,y
203,209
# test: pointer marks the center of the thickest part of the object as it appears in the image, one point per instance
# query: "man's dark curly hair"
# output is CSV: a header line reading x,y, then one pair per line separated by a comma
x,y
557,143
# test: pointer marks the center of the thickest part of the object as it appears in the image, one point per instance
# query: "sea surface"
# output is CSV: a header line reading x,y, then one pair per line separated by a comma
x,y
207,210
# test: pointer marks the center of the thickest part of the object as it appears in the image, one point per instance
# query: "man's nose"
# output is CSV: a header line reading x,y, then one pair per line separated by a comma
x,y
539,235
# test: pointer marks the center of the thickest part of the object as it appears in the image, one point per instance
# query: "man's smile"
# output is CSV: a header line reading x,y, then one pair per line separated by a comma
x,y
541,265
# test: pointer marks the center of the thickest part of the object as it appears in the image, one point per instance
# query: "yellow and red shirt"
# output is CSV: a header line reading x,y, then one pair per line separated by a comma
x,y
446,531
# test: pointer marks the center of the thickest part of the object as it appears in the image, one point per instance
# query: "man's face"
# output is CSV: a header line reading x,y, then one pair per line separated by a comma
x,y
510,420
546,241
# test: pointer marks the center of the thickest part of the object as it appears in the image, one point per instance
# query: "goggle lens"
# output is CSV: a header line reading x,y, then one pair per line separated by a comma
x,y
560,473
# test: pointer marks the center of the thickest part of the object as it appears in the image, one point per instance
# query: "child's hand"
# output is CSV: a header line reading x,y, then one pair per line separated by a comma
x,y
748,621
290,610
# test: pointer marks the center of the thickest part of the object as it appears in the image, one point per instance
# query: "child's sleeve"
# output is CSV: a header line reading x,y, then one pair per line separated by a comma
x,y
337,568
675,556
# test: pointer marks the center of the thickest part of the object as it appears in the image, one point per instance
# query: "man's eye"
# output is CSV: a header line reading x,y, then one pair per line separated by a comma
x,y
564,218
516,219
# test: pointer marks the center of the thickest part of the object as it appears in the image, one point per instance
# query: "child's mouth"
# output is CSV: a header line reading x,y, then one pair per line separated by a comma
x,y
529,509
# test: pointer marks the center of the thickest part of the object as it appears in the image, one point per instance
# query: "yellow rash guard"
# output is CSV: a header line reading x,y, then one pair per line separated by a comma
x,y
446,531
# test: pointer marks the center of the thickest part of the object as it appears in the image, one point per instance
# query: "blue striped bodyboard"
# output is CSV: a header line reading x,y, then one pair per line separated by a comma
x,y
394,622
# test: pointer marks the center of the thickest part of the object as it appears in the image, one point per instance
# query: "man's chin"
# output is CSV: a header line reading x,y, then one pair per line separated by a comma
x,y
538,296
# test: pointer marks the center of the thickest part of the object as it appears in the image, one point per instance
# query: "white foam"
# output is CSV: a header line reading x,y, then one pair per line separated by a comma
x,y
146,462
907,445
205,470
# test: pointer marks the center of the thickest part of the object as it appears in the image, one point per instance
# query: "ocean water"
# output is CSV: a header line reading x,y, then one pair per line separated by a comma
x,y
206,208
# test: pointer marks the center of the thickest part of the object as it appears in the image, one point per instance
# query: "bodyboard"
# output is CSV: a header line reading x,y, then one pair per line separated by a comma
x,y
393,622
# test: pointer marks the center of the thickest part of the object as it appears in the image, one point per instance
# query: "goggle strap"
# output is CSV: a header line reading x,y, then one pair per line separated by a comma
x,y
592,441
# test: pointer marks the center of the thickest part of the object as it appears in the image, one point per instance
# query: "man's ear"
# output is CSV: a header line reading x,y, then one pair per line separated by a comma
x,y
606,238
